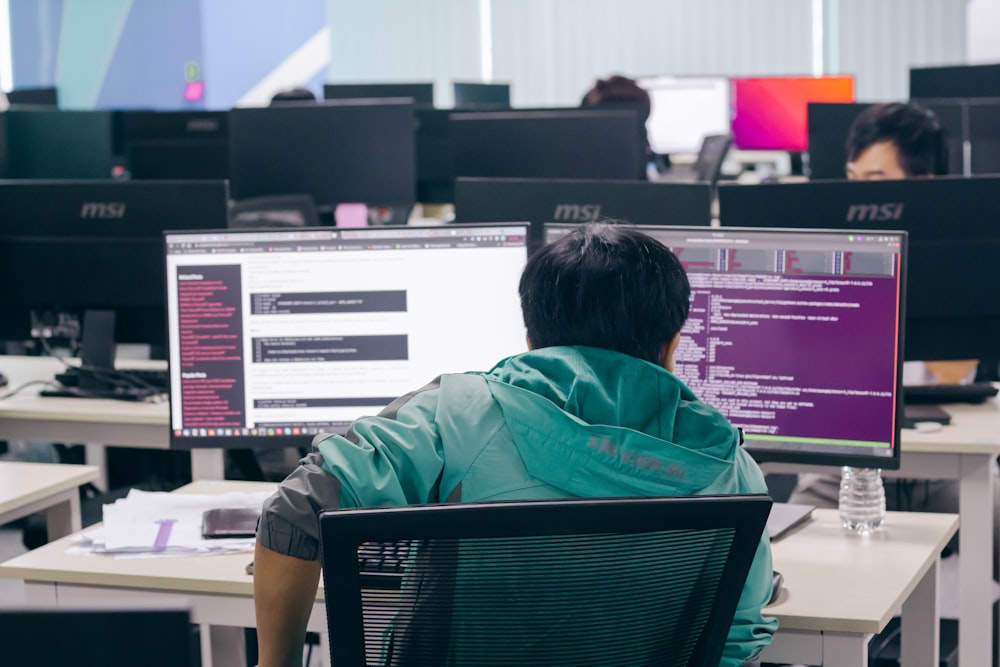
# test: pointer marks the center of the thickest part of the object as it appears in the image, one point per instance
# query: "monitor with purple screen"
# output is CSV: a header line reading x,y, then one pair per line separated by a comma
x,y
796,337
276,336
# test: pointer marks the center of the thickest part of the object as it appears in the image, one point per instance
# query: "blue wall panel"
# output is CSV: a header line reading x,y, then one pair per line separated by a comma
x,y
148,67
34,36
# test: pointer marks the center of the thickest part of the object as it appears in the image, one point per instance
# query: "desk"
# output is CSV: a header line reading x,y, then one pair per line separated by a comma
x,y
27,488
841,588
964,452
95,422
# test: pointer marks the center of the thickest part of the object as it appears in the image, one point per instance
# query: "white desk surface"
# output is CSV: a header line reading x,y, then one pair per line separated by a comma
x,y
974,429
23,484
835,580
203,574
29,416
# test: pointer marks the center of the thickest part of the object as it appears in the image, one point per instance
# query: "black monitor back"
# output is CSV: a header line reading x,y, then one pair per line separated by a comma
x,y
435,156
570,143
109,636
142,125
984,136
194,159
420,93
539,201
47,97
72,246
953,292
336,152
59,144
496,95
955,81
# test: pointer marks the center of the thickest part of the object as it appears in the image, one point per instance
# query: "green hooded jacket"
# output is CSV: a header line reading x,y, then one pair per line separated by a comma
x,y
554,422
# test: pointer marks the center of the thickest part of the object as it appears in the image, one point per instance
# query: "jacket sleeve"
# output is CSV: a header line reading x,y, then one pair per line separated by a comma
x,y
392,459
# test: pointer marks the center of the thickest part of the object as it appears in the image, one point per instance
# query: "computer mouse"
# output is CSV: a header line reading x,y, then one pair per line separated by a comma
x,y
927,427
776,580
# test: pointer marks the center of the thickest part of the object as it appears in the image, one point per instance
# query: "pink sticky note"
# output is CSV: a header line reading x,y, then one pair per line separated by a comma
x,y
194,91
351,215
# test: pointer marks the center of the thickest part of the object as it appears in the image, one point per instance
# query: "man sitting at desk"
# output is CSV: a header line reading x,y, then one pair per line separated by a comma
x,y
603,307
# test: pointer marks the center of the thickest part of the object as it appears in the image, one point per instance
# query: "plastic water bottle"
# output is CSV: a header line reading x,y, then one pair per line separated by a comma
x,y
862,499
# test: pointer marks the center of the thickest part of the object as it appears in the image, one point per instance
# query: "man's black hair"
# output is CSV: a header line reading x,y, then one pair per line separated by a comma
x,y
607,286
915,131
293,95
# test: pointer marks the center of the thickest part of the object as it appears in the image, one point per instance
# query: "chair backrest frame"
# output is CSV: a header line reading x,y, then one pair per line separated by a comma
x,y
343,531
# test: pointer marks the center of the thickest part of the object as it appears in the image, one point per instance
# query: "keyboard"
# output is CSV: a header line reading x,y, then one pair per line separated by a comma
x,y
977,392
118,384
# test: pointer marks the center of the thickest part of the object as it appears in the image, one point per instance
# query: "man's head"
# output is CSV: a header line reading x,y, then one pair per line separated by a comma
x,y
607,286
618,90
898,140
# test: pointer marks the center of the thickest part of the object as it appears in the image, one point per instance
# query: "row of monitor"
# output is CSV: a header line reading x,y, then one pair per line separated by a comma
x,y
379,152
495,95
260,322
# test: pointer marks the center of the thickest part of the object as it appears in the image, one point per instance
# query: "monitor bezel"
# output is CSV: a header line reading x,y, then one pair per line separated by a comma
x,y
281,441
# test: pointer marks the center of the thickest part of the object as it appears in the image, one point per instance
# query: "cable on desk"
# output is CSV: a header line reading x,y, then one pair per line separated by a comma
x,y
17,390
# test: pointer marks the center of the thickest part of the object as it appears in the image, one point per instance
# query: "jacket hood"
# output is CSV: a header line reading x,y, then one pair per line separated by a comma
x,y
596,422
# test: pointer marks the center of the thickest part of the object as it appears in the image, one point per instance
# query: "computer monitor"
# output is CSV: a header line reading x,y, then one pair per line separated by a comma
x,y
984,136
770,113
794,335
47,97
953,116
276,336
73,246
173,144
955,81
109,635
953,304
685,110
496,95
828,126
420,93
58,144
539,201
356,151
569,143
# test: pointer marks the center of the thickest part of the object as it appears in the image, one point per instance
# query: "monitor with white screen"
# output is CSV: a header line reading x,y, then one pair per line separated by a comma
x,y
795,336
276,336
684,110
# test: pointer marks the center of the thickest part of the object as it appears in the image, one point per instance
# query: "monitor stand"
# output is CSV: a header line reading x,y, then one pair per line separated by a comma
x,y
97,377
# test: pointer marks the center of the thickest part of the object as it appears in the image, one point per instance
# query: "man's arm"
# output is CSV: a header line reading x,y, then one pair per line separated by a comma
x,y
284,591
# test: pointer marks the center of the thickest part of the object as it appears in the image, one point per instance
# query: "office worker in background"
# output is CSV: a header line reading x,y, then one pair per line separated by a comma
x,y
894,141
603,308
621,91
293,95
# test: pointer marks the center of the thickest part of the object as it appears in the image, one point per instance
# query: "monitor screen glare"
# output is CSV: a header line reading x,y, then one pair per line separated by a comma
x,y
684,110
795,337
276,336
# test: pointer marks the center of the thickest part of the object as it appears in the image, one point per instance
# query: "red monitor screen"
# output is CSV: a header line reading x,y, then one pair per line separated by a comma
x,y
769,113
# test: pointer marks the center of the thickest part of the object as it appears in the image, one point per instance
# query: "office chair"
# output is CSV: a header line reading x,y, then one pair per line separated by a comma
x,y
712,154
273,211
608,582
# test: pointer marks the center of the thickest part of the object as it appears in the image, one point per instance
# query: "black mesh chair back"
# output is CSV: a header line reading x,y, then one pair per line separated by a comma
x,y
581,582
714,148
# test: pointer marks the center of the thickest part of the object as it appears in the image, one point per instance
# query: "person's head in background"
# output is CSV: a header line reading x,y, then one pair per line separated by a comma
x,y
606,286
897,140
293,95
621,91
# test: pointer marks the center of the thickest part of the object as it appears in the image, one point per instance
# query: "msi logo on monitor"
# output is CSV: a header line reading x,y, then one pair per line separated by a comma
x,y
202,125
874,212
576,212
103,210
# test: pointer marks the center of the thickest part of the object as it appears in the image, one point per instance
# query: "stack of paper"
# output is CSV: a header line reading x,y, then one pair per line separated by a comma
x,y
148,523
